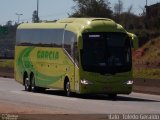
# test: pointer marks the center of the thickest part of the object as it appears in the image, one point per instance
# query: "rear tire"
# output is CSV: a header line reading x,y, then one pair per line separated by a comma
x,y
27,84
33,86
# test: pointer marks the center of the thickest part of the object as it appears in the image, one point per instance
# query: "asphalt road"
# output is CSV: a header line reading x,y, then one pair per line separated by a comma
x,y
53,101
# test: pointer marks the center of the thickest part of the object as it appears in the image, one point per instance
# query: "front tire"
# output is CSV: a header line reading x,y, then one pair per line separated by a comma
x,y
67,89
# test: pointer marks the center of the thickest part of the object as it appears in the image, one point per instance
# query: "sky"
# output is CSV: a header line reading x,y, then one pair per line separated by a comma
x,y
52,9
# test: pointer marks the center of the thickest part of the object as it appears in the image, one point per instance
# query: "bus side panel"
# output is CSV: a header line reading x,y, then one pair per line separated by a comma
x,y
22,63
50,66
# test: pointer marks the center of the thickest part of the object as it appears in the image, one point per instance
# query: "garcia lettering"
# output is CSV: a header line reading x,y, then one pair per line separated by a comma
x,y
48,55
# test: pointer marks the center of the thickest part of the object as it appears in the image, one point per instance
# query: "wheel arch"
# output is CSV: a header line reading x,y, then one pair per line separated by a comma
x,y
25,75
31,75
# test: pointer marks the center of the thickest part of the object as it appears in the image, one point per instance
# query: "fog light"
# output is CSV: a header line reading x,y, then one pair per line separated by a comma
x,y
86,82
129,82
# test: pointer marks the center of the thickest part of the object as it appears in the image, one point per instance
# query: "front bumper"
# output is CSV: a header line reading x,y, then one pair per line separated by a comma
x,y
107,88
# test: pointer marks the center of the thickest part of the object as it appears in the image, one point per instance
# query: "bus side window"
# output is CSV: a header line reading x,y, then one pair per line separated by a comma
x,y
70,44
40,37
67,42
76,53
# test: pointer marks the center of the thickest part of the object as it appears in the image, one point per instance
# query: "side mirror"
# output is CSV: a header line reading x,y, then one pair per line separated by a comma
x,y
134,40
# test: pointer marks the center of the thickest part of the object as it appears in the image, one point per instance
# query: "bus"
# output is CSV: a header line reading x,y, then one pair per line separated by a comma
x,y
77,55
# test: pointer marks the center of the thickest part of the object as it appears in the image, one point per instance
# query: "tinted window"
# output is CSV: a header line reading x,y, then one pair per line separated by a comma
x,y
40,37
106,52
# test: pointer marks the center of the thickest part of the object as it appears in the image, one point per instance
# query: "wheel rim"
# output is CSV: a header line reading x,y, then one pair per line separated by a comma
x,y
68,91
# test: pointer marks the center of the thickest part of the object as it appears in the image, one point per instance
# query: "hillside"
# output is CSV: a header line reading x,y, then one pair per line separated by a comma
x,y
146,60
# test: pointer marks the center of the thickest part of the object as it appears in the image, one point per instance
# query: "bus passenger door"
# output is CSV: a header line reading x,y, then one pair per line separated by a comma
x,y
68,46
76,66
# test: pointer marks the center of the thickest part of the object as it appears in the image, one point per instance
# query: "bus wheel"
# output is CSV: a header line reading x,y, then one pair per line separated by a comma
x,y
27,84
67,89
33,86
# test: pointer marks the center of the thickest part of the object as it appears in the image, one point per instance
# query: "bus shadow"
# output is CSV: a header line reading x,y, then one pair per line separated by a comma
x,y
98,97
118,98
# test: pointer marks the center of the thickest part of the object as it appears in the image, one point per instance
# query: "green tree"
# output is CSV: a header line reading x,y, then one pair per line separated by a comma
x,y
3,30
35,18
91,8
9,23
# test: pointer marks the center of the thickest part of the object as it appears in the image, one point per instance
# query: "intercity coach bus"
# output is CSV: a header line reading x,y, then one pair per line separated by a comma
x,y
77,55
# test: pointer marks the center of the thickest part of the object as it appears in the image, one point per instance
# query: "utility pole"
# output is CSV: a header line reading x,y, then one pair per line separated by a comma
x,y
146,6
146,2
119,6
19,15
37,10
145,20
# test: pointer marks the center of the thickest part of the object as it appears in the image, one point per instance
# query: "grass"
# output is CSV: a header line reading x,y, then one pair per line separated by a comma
x,y
6,68
147,73
6,63
148,65
152,53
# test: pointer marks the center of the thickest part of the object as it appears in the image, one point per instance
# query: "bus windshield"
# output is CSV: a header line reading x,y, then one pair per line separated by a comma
x,y
108,52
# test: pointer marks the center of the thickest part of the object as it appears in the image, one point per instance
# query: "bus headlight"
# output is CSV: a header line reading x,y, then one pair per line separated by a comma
x,y
129,82
86,82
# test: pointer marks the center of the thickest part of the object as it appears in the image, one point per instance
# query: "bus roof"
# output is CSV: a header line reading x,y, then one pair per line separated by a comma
x,y
94,23
82,20
40,25
78,25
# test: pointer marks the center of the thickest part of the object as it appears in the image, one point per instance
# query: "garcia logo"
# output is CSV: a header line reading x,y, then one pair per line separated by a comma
x,y
48,55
